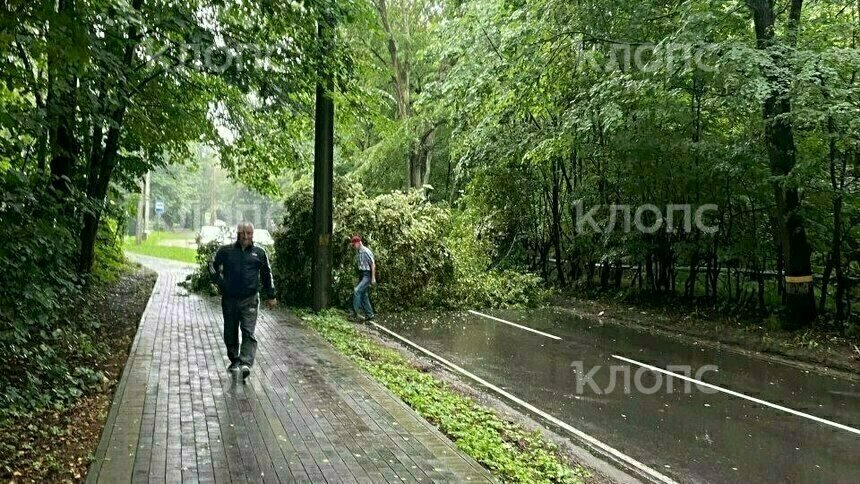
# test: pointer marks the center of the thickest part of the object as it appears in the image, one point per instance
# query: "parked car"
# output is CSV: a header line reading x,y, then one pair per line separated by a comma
x,y
211,233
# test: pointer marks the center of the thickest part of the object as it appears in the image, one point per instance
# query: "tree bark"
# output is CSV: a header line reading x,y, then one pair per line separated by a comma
x,y
556,221
62,99
97,189
779,137
103,161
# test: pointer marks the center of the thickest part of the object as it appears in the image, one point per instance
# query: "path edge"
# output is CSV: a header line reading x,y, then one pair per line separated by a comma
x,y
110,421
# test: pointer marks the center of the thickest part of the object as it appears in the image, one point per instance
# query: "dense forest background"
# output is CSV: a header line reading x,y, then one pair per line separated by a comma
x,y
528,116
501,126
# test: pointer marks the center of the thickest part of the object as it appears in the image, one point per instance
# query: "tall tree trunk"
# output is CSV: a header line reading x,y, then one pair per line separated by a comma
x,y
779,137
321,279
649,272
419,159
690,283
97,189
62,98
837,183
400,65
103,161
760,280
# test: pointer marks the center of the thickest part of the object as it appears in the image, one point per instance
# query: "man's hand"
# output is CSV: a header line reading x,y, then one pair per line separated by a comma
x,y
271,303
373,282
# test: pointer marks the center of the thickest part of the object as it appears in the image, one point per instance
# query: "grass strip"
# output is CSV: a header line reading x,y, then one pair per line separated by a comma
x,y
510,452
152,248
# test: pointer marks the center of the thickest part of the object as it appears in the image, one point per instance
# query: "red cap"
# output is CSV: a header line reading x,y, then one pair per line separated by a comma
x,y
355,238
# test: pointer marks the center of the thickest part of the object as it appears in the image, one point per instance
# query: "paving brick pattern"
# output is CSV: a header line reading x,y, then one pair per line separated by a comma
x,y
306,414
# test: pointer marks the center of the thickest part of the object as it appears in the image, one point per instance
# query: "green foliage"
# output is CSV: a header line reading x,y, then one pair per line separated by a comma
x,y
294,241
476,286
200,281
551,104
46,330
422,261
110,259
511,453
413,265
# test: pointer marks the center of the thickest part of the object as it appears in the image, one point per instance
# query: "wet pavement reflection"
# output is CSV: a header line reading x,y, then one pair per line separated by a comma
x,y
685,431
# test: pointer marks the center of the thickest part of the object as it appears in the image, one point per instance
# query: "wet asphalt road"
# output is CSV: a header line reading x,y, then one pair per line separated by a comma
x,y
686,432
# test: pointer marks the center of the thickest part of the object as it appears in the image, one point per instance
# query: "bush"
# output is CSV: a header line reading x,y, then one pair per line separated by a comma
x,y
199,281
46,329
110,257
293,239
426,256
474,285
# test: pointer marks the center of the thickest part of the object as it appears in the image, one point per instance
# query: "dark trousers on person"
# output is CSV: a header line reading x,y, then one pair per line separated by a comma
x,y
360,297
240,314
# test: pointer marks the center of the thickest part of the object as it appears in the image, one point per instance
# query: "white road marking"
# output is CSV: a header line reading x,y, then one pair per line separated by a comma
x,y
516,325
741,395
630,461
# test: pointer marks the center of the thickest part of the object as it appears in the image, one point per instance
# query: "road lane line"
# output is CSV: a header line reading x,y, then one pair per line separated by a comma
x,y
741,395
516,325
629,461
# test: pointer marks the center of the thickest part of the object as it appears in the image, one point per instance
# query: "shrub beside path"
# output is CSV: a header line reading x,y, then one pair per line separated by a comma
x,y
306,414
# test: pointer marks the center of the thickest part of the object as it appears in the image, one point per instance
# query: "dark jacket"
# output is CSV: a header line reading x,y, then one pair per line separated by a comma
x,y
242,270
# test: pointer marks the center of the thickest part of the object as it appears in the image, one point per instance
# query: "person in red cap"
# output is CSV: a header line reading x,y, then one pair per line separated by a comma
x,y
366,265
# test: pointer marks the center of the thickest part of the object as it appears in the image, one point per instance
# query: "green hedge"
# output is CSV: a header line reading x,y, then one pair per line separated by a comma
x,y
427,255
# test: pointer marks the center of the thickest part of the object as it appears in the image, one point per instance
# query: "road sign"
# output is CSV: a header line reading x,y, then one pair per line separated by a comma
x,y
159,208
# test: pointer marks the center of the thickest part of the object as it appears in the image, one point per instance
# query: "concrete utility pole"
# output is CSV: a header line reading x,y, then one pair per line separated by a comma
x,y
142,211
146,208
141,207
321,277
212,206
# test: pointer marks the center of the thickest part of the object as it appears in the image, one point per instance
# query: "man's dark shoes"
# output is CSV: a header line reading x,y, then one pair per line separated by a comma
x,y
234,366
246,371
370,318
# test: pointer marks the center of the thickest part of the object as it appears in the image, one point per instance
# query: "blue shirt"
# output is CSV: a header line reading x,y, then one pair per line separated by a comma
x,y
364,259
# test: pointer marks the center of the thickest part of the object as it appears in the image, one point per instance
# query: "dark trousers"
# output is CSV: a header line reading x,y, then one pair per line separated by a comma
x,y
240,314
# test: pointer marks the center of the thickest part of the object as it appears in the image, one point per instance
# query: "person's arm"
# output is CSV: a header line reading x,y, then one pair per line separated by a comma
x,y
372,270
268,282
215,266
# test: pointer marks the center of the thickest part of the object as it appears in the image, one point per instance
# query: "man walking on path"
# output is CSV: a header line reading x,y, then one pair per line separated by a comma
x,y
237,270
366,276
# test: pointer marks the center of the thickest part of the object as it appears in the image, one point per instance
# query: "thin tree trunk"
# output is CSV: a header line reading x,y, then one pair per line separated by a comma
x,y
825,280
556,221
760,279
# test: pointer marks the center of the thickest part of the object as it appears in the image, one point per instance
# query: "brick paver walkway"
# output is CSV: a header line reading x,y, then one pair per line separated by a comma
x,y
306,414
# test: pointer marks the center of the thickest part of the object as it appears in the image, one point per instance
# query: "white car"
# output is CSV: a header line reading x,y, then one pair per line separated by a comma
x,y
211,233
